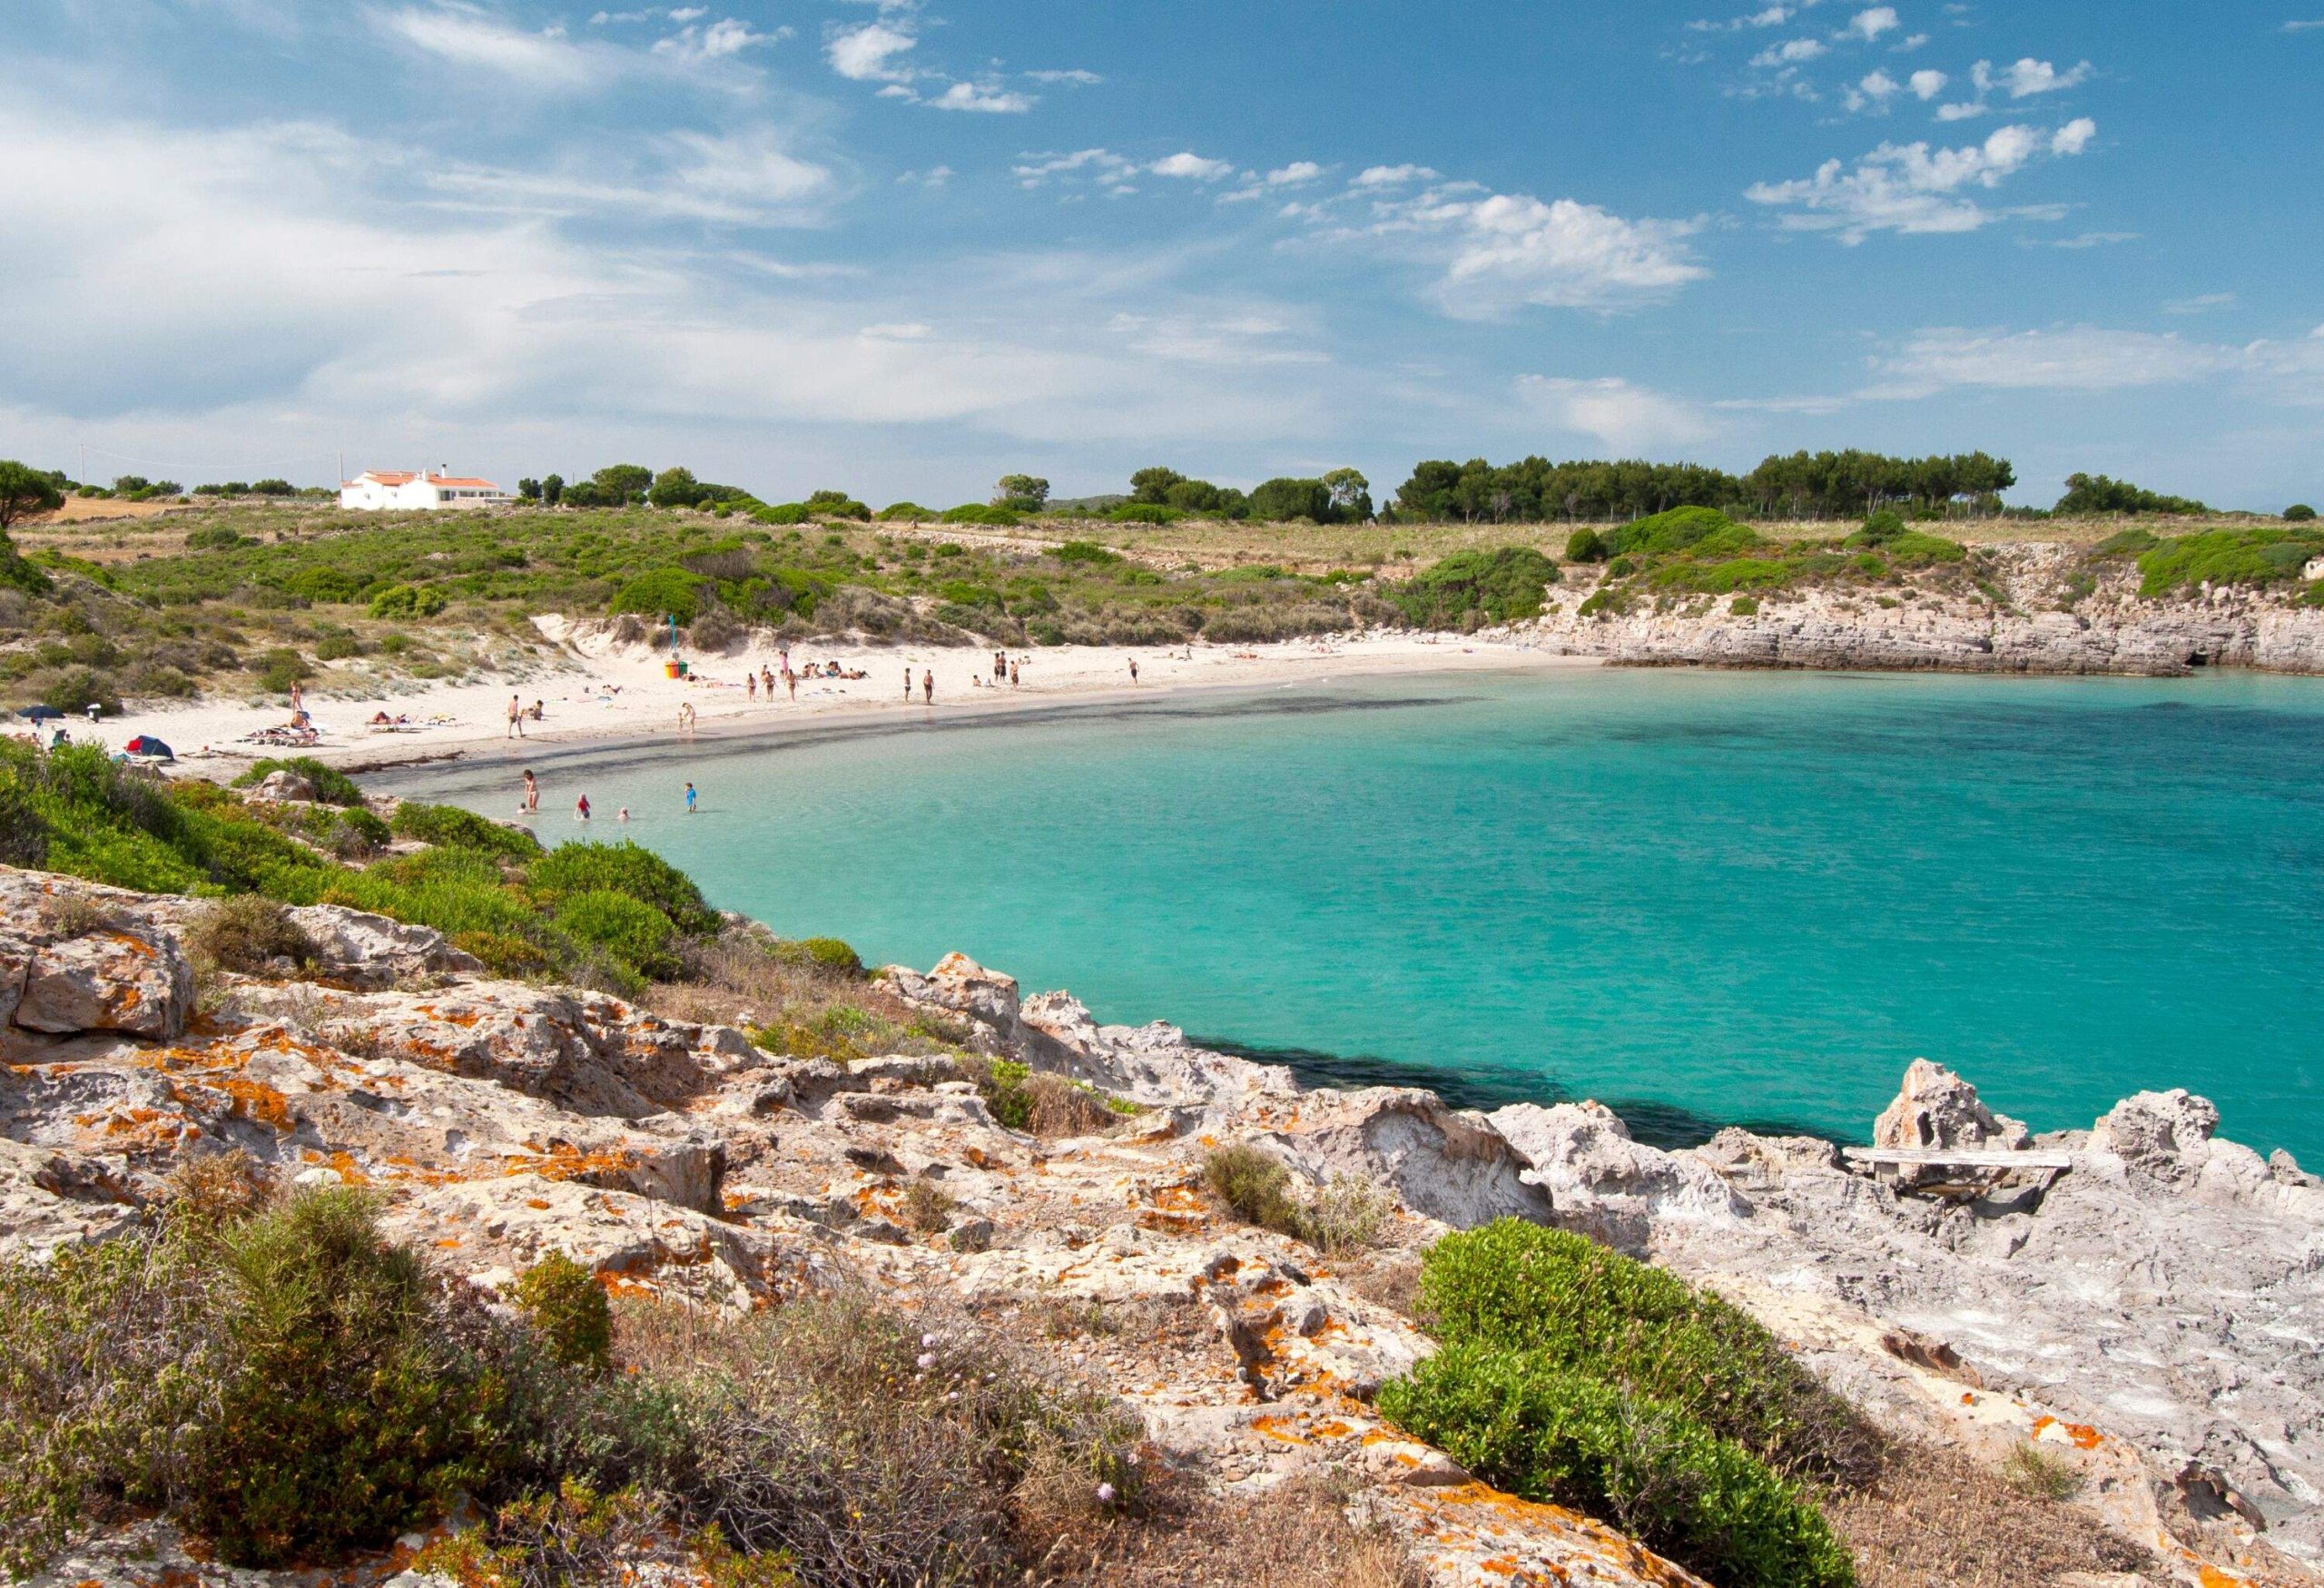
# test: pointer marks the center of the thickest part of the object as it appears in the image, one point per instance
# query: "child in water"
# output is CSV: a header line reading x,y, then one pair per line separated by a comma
x,y
689,799
581,809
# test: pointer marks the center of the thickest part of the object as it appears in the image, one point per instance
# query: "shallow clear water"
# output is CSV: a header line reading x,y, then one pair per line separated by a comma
x,y
1703,897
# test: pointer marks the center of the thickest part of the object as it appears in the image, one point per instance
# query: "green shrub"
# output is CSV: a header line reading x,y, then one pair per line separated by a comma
x,y
332,787
1502,585
280,667
215,537
24,836
905,512
1086,554
980,513
1145,513
1915,547
1581,1307
460,829
1744,606
343,1416
1880,529
408,601
634,931
248,933
1253,1184
2299,513
78,688
661,594
828,953
2227,556
1706,530
337,647
624,868
1565,1438
2127,543
1584,545
567,1308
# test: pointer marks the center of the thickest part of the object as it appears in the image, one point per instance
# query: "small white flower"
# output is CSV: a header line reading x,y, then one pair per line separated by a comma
x,y
928,1339
1105,1493
926,1359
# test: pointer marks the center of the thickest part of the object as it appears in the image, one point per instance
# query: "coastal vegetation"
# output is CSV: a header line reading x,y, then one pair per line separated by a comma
x,y
1573,1375
266,1368
250,593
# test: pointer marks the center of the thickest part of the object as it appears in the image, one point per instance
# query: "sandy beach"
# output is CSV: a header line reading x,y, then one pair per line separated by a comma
x,y
594,690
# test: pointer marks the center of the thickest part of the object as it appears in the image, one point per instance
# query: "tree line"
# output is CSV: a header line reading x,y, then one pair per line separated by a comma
x,y
1799,485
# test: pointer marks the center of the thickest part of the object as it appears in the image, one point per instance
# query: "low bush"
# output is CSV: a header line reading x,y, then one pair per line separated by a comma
x,y
1566,1438
629,929
1744,606
2227,556
661,594
2299,513
1585,545
214,537
1579,1306
332,787
1346,1216
408,601
76,689
1504,585
624,868
249,934
567,1308
1706,531
980,513
454,828
829,954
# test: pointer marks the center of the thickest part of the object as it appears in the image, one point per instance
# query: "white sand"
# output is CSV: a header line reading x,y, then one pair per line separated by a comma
x,y
593,690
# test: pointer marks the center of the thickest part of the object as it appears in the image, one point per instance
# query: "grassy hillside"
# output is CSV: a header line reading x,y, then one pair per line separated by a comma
x,y
249,598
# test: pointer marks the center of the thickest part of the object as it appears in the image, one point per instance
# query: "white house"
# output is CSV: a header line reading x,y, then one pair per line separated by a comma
x,y
375,490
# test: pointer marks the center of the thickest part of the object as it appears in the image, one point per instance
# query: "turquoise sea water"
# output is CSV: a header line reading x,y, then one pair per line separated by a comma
x,y
1702,897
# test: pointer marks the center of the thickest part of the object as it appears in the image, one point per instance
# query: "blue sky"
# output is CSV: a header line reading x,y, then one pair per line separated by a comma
x,y
905,247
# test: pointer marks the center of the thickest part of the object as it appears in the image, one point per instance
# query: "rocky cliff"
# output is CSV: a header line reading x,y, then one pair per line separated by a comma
x,y
2148,1312
2035,609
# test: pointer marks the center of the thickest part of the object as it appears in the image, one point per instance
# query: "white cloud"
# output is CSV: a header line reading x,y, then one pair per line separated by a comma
x,y
728,36
1770,17
1627,419
1100,165
976,97
1874,91
2071,359
469,37
1871,24
1295,174
745,178
1789,53
1928,84
1073,74
934,176
1192,167
1911,187
2029,76
868,54
1392,175
1506,250
386,317
1966,110
2303,26
2203,304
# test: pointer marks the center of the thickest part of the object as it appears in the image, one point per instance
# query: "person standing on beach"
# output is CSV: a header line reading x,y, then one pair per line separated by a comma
x,y
791,682
1013,679
690,799
928,687
516,717
1133,669
750,683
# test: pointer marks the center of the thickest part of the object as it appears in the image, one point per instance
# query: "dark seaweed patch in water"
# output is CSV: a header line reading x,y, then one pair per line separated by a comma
x,y
1652,1120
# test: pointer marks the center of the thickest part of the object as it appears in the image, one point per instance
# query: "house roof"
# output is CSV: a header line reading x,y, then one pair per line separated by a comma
x,y
460,481
376,477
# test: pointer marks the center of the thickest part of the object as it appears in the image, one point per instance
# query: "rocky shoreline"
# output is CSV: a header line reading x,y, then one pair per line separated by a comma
x,y
2041,608
2142,1301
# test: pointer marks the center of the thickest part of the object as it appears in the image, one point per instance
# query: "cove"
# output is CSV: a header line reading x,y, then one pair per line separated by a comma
x,y
1702,897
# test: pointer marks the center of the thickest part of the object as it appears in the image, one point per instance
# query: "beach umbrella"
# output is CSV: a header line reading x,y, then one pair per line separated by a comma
x,y
38,713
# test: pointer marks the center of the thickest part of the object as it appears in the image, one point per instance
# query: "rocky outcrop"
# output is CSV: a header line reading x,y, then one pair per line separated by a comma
x,y
1607,1185
1442,1163
2022,609
1936,1109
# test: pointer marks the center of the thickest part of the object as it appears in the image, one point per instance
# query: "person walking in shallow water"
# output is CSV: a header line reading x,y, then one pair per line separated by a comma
x,y
532,793
690,799
581,809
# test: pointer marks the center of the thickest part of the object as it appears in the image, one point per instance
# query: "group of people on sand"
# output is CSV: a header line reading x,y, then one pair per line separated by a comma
x,y
519,713
582,810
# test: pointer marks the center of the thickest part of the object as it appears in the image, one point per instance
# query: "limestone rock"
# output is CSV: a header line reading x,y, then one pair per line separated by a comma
x,y
1607,1185
1445,1165
959,983
136,981
1936,1109
284,785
